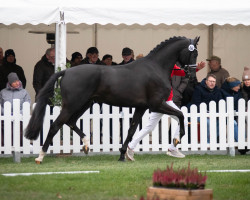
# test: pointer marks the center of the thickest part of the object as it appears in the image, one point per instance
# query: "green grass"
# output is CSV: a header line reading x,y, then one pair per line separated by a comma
x,y
116,180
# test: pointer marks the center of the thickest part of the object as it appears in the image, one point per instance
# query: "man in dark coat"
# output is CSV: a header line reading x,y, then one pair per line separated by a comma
x,y
207,91
43,70
204,93
92,57
9,65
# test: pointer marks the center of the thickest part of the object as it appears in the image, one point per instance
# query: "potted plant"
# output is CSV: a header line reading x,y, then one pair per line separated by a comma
x,y
185,183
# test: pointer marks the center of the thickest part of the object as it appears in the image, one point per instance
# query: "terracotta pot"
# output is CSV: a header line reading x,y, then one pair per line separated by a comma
x,y
178,194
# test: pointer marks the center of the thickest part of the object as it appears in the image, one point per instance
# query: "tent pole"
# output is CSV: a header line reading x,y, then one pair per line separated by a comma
x,y
95,35
60,43
210,41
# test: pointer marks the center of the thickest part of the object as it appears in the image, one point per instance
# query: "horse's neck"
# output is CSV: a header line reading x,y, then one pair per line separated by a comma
x,y
168,56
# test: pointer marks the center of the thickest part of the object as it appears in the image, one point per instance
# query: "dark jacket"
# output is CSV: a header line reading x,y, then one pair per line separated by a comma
x,y
204,95
179,84
7,68
245,92
123,63
86,61
42,72
226,91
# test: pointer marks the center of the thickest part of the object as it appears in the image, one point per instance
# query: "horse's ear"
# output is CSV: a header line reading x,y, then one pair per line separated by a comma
x,y
196,40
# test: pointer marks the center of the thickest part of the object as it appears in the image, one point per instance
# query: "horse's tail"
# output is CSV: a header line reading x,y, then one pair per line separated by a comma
x,y
36,120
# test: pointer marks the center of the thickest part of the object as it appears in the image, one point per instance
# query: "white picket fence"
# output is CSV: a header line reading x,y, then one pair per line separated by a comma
x,y
108,130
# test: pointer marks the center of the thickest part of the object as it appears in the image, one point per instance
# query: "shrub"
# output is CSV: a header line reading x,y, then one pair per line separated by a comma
x,y
185,178
56,100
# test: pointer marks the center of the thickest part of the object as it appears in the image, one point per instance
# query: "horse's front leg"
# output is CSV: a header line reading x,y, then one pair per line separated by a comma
x,y
135,121
180,119
171,109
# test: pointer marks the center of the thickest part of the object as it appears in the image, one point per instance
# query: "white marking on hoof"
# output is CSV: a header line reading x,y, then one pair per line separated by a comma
x,y
39,160
85,141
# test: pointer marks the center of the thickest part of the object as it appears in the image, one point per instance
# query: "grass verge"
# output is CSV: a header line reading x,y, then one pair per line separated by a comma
x,y
116,180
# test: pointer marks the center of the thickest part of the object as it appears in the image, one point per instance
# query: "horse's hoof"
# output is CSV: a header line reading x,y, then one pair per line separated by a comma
x,y
85,149
122,150
121,159
38,162
176,142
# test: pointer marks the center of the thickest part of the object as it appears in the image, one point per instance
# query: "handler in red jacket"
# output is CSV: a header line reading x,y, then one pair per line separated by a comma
x,y
155,118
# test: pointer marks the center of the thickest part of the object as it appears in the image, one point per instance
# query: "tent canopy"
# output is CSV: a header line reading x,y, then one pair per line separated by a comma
x,y
128,12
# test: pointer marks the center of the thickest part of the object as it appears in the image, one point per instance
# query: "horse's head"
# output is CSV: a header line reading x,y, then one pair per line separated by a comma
x,y
188,57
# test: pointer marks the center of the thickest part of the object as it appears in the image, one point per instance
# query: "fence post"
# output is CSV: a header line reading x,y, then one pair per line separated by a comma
x,y
16,131
230,125
241,124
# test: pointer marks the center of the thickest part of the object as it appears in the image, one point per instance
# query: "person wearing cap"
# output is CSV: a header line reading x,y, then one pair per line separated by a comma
x,y
92,57
43,70
127,55
108,60
9,65
214,62
231,88
14,90
76,59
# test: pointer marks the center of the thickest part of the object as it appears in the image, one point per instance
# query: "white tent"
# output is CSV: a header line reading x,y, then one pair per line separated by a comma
x,y
117,12
128,12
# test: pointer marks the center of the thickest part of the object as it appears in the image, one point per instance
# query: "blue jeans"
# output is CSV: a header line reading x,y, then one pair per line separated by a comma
x,y
235,131
217,130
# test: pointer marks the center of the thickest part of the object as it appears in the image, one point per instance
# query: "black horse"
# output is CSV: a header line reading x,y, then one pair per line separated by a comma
x,y
143,84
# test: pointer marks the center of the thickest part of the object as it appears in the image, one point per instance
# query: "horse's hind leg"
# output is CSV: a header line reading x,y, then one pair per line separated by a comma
x,y
55,126
72,124
84,138
135,121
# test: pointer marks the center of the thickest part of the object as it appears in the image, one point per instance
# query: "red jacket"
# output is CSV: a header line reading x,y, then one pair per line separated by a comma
x,y
179,72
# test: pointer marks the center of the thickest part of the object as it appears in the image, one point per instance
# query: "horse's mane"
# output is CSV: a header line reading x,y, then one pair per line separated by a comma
x,y
164,43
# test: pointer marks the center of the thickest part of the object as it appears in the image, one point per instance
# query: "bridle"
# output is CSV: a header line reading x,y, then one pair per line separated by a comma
x,y
186,68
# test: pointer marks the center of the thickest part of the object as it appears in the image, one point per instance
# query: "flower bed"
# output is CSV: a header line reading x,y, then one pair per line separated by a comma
x,y
181,184
185,178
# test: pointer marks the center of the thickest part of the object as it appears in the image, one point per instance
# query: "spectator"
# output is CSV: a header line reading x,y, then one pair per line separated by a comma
x,y
188,91
127,55
179,84
215,68
108,60
92,57
245,89
43,70
9,65
231,88
1,56
139,56
14,90
76,59
204,93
